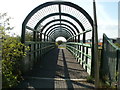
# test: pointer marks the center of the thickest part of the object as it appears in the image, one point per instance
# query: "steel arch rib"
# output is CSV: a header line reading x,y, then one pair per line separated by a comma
x,y
51,30
68,34
63,31
72,30
60,20
48,4
58,28
63,14
62,3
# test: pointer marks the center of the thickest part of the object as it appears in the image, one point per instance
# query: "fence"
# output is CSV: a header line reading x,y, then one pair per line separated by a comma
x,y
109,62
82,53
37,50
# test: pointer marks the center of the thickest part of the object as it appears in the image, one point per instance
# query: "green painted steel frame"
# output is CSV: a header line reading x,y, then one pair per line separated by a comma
x,y
53,3
76,51
42,47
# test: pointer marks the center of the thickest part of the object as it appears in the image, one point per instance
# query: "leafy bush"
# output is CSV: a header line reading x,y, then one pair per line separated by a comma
x,y
117,44
11,58
90,79
12,53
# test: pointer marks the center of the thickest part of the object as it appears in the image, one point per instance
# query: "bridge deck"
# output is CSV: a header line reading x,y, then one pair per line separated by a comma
x,y
58,69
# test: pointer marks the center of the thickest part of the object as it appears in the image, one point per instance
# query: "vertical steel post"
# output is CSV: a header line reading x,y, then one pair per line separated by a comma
x,y
40,36
23,33
95,46
119,69
60,16
119,19
34,35
78,39
84,37
119,50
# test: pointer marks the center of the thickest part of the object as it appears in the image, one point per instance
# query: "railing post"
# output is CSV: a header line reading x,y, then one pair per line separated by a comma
x,y
83,50
78,53
84,35
119,50
119,69
78,39
96,68
86,58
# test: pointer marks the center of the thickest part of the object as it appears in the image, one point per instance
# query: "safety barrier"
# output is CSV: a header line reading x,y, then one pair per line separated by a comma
x,y
37,50
110,62
82,53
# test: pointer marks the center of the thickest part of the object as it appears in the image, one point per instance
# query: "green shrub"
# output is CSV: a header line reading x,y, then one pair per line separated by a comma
x,y
117,44
90,79
12,53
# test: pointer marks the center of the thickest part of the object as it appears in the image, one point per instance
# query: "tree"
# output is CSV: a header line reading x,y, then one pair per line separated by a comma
x,y
59,42
29,36
12,53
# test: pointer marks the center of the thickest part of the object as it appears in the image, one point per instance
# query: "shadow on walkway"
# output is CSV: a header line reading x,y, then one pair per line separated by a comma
x,y
56,71
44,69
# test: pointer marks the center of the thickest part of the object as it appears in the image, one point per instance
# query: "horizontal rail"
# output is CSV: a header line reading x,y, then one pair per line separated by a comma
x,y
82,44
88,66
79,51
31,52
117,48
79,34
32,42
29,28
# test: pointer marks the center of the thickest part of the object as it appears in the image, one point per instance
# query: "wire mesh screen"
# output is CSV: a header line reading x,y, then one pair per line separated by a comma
x,y
41,13
77,14
109,61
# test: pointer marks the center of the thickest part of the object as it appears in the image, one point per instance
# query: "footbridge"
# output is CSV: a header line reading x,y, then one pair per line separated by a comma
x,y
50,64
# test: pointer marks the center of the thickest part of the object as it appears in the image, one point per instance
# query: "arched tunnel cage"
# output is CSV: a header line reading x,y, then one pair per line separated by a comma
x,y
54,19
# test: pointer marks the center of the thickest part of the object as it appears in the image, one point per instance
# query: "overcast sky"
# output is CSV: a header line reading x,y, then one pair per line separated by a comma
x,y
107,13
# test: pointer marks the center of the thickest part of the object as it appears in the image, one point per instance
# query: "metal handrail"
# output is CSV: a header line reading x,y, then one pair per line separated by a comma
x,y
117,48
29,28
83,56
80,51
83,44
79,34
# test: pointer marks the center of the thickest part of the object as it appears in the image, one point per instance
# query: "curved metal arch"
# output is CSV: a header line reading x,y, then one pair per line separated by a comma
x,y
63,14
59,2
57,34
67,31
72,30
58,28
60,20
50,31
61,36
48,4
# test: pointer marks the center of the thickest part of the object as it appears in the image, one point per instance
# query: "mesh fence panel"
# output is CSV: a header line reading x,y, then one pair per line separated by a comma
x,y
109,61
